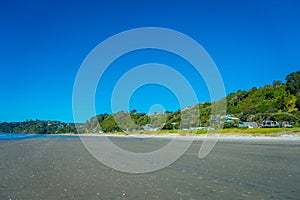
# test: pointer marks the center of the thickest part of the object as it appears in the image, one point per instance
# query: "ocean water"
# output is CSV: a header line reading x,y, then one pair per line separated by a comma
x,y
19,136
9,136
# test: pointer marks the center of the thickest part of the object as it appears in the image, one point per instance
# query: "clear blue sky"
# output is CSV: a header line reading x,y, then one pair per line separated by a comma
x,y
43,43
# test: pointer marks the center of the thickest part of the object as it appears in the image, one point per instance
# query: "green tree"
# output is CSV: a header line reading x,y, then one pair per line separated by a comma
x,y
293,83
109,125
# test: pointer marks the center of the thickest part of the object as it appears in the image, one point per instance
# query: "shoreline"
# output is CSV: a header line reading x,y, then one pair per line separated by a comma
x,y
283,136
220,136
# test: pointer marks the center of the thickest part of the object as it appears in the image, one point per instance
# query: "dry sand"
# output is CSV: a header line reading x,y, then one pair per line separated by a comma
x,y
61,168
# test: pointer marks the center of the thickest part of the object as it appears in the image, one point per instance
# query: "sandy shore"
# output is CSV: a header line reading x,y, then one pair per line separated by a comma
x,y
61,168
233,136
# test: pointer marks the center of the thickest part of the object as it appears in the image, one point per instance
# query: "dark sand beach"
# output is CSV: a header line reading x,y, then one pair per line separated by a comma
x,y
61,168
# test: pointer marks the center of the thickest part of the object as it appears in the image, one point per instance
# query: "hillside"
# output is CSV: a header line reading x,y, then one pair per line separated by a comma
x,y
37,126
277,102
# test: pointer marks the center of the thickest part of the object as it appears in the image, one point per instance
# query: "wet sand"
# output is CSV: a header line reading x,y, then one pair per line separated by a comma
x,y
61,168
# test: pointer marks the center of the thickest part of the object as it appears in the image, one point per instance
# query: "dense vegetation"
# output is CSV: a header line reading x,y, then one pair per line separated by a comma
x,y
37,126
278,102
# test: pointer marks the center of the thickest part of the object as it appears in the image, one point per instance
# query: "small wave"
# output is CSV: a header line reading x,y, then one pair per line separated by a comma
x,y
15,136
20,136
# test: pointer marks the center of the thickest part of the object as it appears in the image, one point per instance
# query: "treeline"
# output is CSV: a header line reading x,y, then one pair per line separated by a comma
x,y
117,122
134,121
38,127
278,102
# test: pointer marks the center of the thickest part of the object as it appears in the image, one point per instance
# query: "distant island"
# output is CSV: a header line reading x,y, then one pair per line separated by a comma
x,y
274,105
38,126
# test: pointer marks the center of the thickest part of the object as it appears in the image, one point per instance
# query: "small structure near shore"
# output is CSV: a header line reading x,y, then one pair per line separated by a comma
x,y
270,124
248,125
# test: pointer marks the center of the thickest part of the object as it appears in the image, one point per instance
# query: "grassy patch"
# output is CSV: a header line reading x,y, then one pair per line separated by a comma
x,y
260,130
201,132
250,131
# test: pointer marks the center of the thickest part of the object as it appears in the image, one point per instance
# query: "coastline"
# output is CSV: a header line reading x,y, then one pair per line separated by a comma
x,y
222,136
285,135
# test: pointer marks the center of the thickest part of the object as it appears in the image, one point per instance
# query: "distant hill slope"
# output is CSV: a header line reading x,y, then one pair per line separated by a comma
x,y
37,126
279,101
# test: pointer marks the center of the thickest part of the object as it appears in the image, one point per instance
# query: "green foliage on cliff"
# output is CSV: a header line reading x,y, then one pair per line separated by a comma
x,y
280,101
37,126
